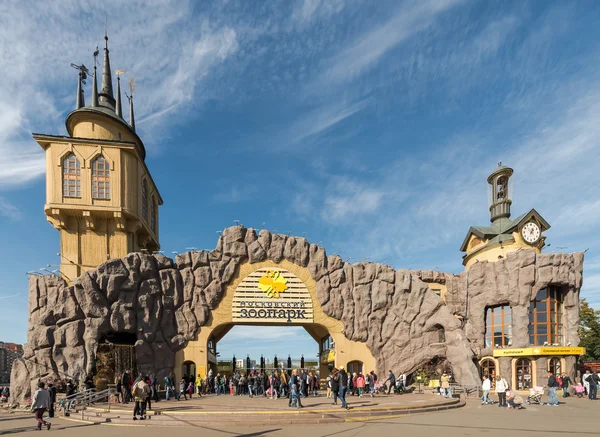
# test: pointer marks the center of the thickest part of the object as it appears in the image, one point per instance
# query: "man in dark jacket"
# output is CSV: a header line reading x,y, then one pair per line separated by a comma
x,y
566,382
52,391
125,386
335,385
392,380
552,385
594,381
343,386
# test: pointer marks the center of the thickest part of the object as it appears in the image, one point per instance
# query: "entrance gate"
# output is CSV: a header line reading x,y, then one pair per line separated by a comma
x,y
275,294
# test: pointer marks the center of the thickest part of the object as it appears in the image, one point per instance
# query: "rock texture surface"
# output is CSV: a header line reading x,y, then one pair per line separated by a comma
x,y
165,303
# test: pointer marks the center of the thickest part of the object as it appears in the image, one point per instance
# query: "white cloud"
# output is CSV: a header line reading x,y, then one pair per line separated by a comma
x,y
9,210
370,47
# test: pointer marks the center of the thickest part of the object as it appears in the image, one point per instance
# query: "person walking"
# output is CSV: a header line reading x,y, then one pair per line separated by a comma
x,y
140,392
343,387
39,405
199,385
403,382
294,382
360,384
586,381
552,386
335,385
182,390
594,381
52,391
566,382
445,385
486,386
392,381
329,392
501,387
125,387
373,382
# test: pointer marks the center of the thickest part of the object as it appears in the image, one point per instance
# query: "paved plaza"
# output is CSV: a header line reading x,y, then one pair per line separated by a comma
x,y
578,417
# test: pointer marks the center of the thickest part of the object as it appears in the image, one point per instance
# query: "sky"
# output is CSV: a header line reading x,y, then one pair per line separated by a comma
x,y
368,127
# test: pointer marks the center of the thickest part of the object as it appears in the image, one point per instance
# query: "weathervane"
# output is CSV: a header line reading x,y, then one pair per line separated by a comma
x,y
83,71
96,53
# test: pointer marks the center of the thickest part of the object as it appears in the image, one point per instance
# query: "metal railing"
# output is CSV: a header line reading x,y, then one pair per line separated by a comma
x,y
85,398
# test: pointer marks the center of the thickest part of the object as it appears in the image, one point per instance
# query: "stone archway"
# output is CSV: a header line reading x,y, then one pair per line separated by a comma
x,y
392,315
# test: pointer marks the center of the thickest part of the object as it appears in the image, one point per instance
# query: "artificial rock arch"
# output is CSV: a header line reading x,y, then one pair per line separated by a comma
x,y
166,303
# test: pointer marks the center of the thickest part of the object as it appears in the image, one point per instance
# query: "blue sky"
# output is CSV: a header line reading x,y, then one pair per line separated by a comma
x,y
368,126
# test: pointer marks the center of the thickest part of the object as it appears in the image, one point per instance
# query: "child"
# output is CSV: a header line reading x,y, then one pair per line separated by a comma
x,y
190,389
182,390
294,396
579,390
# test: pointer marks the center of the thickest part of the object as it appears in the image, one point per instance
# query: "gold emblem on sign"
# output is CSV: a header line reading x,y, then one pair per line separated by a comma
x,y
272,283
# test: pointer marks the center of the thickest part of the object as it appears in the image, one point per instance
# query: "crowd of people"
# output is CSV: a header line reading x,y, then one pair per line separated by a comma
x,y
510,399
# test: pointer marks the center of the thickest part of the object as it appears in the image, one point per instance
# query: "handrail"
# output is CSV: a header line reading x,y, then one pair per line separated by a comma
x,y
85,398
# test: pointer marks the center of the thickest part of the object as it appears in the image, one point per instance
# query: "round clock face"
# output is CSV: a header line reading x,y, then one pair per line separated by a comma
x,y
531,232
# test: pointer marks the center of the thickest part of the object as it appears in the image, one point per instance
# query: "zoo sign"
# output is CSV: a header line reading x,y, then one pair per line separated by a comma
x,y
272,295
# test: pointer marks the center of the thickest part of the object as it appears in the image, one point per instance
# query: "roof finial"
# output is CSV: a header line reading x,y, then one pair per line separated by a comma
x,y
107,98
83,72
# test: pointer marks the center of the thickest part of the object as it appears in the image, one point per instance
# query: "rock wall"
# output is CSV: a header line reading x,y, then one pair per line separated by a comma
x,y
165,303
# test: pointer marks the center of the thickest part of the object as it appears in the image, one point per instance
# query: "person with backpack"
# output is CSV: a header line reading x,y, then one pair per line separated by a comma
x,y
140,392
373,382
552,386
501,387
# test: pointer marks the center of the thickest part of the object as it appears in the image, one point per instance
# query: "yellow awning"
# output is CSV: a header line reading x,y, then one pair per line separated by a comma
x,y
528,351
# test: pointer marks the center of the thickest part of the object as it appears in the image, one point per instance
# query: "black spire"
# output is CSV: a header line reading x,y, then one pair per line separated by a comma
x,y
80,99
106,93
94,90
119,109
131,118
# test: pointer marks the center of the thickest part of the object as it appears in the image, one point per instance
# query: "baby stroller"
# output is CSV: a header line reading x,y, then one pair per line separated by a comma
x,y
380,388
535,395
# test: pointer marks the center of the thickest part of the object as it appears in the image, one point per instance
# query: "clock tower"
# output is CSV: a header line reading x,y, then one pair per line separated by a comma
x,y
494,242
100,195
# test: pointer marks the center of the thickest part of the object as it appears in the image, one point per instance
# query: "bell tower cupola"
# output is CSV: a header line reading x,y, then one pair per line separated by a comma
x,y
500,192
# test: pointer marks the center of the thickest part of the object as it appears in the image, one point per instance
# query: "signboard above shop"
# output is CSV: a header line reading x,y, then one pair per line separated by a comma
x,y
272,295
533,351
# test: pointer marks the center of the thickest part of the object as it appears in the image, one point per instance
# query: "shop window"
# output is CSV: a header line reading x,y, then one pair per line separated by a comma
x,y
145,199
327,343
100,179
523,367
546,317
498,326
554,366
71,176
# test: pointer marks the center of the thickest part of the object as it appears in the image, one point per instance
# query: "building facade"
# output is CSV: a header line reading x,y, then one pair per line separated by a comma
x,y
513,311
9,352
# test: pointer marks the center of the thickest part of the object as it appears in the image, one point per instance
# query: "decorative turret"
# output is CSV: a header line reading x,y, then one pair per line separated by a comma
x,y
107,98
500,192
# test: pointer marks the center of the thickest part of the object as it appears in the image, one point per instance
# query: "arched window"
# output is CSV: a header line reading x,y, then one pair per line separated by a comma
x,y
554,366
488,368
100,179
523,373
545,317
153,214
71,176
145,199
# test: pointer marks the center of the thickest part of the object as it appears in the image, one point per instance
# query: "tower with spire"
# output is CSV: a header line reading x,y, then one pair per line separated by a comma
x,y
494,242
100,194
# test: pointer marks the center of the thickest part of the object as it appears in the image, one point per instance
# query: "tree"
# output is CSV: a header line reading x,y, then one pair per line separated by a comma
x,y
589,331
